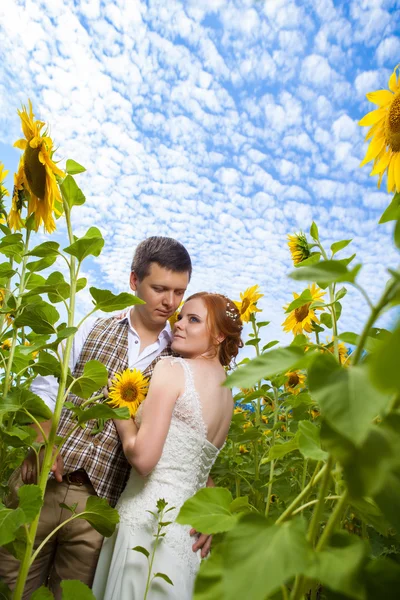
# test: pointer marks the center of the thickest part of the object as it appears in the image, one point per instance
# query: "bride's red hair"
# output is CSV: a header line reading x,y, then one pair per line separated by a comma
x,y
223,319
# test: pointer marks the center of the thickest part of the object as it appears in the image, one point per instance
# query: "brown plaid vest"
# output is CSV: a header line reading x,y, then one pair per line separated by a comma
x,y
101,455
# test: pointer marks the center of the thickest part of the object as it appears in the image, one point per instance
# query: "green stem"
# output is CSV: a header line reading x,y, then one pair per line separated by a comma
x,y
39,548
304,476
316,518
372,318
311,503
48,454
314,480
157,536
21,289
331,524
272,468
331,308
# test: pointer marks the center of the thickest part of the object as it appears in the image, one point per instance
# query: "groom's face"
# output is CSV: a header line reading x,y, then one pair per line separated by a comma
x,y
162,290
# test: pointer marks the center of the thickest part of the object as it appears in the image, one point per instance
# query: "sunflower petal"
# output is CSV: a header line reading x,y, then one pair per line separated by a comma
x,y
374,148
382,165
380,97
391,184
21,144
372,117
397,171
393,83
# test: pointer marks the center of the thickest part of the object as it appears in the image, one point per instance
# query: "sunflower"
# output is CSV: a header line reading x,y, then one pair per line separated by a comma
x,y
302,318
39,170
343,351
243,449
298,247
6,345
384,147
295,381
248,303
128,388
3,193
14,217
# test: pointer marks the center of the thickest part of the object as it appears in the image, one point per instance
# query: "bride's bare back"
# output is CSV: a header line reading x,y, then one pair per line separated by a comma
x,y
216,401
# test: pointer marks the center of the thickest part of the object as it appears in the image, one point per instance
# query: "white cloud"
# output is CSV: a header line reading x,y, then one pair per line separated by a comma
x,y
228,124
387,50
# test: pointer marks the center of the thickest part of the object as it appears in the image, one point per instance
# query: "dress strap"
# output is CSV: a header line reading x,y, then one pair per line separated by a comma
x,y
191,394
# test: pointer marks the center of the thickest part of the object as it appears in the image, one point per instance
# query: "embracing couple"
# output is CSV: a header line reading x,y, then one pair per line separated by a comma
x,y
171,443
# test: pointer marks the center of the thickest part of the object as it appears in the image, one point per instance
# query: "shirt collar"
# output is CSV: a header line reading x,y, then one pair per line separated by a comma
x,y
164,333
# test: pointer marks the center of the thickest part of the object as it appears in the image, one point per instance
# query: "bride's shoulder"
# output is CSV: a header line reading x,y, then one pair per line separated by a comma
x,y
169,366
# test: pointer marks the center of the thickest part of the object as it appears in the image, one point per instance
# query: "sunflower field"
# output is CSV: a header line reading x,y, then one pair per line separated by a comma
x,y
307,496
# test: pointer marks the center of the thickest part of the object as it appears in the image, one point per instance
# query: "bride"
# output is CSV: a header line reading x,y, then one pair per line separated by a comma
x,y
172,445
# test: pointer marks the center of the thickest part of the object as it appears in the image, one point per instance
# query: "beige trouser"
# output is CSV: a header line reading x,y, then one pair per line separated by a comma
x,y
71,553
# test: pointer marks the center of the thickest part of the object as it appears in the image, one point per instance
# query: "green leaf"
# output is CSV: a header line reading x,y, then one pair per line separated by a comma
x,y
142,550
280,450
12,245
326,319
384,364
90,244
370,513
270,345
240,504
313,259
42,593
269,364
66,332
100,411
5,592
347,399
94,377
20,400
100,515
314,231
30,501
10,522
18,437
309,441
263,323
42,263
340,293
108,302
304,298
340,565
326,272
47,365
208,585
382,579
73,168
252,546
39,316
336,246
71,192
208,511
6,271
392,212
163,576
396,234
72,589
45,249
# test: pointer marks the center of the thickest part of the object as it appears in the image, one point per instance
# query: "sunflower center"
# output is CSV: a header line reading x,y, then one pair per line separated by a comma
x,y
129,393
293,380
35,172
245,306
393,125
301,313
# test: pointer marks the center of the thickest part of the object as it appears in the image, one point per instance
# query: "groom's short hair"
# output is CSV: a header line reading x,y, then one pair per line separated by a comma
x,y
166,252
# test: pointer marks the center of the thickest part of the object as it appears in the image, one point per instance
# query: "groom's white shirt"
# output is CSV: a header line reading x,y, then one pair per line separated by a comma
x,y
47,387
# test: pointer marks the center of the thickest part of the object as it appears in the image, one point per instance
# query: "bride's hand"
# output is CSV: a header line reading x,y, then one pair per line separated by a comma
x,y
203,543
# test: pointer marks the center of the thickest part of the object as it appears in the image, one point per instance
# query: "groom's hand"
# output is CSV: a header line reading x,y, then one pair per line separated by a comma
x,y
203,543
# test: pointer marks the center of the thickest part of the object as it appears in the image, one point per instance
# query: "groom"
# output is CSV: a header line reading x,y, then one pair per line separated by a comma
x,y
95,464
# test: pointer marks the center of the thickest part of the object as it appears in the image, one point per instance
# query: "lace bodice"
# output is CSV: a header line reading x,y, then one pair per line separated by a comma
x,y
183,469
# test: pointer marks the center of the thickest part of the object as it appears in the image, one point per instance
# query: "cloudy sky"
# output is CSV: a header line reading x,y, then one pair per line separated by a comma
x,y
224,124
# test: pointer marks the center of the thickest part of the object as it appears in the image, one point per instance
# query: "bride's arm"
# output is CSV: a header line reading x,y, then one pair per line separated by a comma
x,y
143,447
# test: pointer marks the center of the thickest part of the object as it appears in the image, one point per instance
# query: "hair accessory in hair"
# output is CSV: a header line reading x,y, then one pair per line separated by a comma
x,y
231,314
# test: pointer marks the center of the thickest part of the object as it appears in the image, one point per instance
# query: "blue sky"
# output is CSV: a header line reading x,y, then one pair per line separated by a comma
x,y
224,124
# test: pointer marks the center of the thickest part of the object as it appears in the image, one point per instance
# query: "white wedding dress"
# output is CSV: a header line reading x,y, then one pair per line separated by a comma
x,y
183,469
